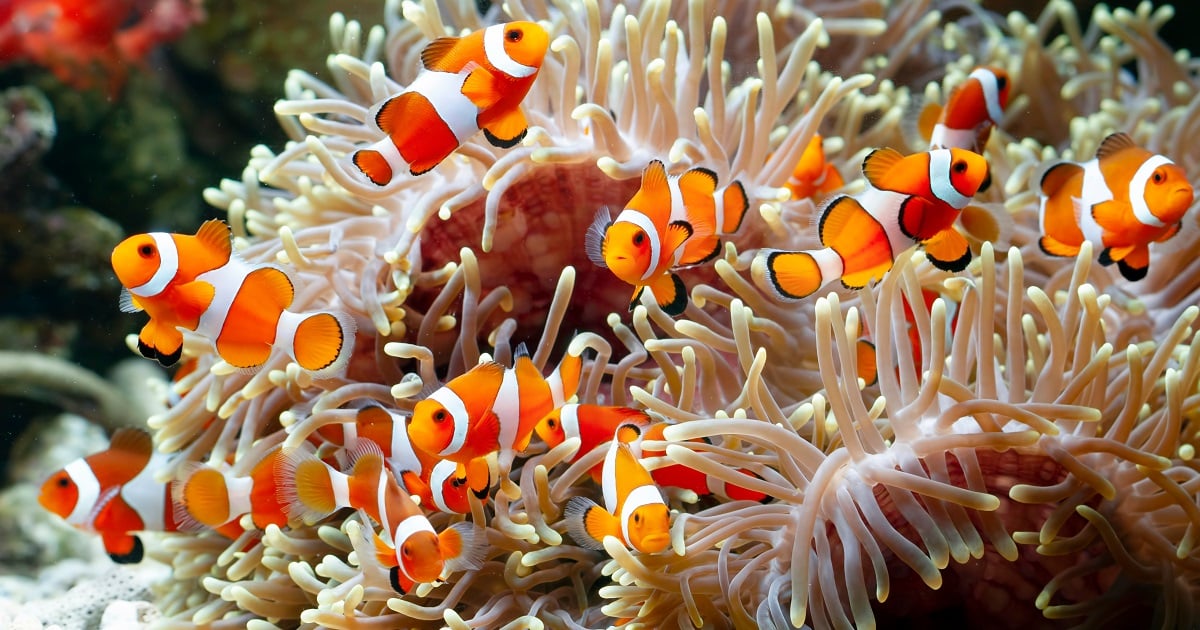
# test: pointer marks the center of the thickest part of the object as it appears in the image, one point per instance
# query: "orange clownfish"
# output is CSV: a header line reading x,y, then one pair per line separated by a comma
x,y
422,475
196,283
115,494
909,201
672,221
468,83
1122,200
416,553
490,409
972,109
634,511
214,497
813,177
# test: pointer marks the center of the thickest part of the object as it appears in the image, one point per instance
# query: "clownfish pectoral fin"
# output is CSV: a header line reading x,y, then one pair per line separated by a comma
x,y
736,204
385,554
321,342
669,293
373,165
1056,177
128,303
160,342
479,477
588,523
948,250
481,87
508,130
1055,247
878,163
1171,231
462,549
868,368
414,485
678,232
123,547
637,295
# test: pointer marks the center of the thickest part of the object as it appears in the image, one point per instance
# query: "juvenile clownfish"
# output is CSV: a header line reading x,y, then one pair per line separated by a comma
x,y
909,201
814,178
671,222
215,497
973,108
596,424
115,494
634,511
416,553
422,475
468,83
1122,200
196,283
490,409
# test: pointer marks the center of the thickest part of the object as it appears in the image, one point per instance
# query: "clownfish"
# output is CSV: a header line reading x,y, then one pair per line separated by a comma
x,y
813,177
214,497
672,221
596,424
422,475
114,493
468,83
416,553
634,511
973,108
909,201
195,282
490,409
1122,200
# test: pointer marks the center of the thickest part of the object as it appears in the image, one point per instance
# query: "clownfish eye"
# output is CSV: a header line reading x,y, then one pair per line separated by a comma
x,y
63,482
456,482
551,423
146,251
439,415
639,238
637,518
1001,82
406,551
514,35
1158,177
960,167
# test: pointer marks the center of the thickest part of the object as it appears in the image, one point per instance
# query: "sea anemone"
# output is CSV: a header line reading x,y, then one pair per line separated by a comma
x,y
1031,457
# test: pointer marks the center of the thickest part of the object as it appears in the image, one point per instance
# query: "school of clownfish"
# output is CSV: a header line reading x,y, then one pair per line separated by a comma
x,y
463,439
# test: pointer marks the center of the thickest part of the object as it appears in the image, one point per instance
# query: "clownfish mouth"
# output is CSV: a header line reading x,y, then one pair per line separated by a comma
x,y
654,542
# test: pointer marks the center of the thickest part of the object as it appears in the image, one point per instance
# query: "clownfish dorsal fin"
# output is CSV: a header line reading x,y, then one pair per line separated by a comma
x,y
133,441
700,180
214,235
1114,144
436,54
655,176
878,163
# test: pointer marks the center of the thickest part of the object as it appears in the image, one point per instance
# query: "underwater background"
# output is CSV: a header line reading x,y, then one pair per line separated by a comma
x,y
121,127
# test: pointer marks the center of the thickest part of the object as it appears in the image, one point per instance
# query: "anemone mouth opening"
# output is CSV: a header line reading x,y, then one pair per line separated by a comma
x,y
543,220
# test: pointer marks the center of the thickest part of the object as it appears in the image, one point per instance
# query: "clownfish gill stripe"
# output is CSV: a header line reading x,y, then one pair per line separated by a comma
x,y
941,182
991,92
642,221
340,484
409,526
168,266
493,47
458,415
381,501
437,481
444,92
508,408
239,489
89,491
146,496
1137,191
641,495
568,419
609,482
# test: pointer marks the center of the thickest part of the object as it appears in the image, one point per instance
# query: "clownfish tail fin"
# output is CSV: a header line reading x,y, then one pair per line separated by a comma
x,y
462,546
205,495
789,275
373,165
305,486
736,205
320,342
579,513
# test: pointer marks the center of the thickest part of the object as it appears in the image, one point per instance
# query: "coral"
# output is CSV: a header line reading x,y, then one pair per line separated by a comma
x,y
1033,464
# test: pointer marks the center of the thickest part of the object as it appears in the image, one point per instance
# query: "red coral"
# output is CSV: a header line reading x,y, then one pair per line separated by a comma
x,y
88,42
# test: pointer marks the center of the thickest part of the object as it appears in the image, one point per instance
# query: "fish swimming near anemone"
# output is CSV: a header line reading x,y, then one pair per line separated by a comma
x,y
673,221
196,283
115,493
634,511
972,109
909,201
468,84
490,409
215,497
412,549
1122,200
814,177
